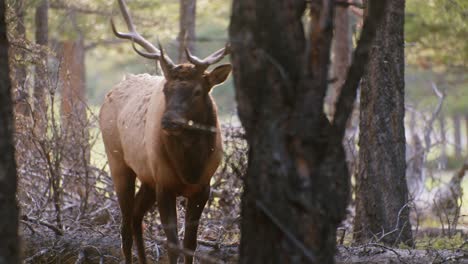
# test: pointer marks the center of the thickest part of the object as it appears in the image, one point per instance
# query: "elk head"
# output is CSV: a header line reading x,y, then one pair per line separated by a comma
x,y
187,85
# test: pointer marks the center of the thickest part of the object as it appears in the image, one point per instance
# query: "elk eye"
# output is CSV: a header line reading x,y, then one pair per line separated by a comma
x,y
197,93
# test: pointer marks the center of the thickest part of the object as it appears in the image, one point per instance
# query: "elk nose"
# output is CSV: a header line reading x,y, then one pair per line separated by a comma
x,y
169,124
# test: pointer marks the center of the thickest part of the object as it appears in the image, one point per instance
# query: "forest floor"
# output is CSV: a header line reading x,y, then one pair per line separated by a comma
x,y
102,245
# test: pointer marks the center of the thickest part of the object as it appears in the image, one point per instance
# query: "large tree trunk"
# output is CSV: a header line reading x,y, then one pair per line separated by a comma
x,y
382,211
186,36
40,77
9,249
341,53
457,136
297,184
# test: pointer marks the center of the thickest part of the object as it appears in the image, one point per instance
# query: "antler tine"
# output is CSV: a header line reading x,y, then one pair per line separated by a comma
x,y
133,35
218,55
165,58
193,59
215,57
145,54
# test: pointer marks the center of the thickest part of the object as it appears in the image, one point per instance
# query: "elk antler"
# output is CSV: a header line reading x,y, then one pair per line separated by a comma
x,y
203,64
133,35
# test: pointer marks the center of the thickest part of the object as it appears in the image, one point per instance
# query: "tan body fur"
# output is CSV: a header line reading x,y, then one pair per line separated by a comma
x,y
130,121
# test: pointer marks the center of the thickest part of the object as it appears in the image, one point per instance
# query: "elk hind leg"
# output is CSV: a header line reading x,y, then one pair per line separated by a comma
x,y
124,185
144,199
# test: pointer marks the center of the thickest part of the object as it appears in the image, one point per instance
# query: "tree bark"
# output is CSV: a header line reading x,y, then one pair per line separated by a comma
x,y
412,123
40,77
466,133
186,35
382,211
9,247
73,115
72,83
341,53
19,82
297,185
457,135
443,142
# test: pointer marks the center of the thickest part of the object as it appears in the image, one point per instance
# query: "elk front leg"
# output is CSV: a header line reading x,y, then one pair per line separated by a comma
x,y
167,209
195,206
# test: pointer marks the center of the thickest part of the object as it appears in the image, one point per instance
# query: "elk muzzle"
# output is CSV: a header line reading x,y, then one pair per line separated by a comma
x,y
172,123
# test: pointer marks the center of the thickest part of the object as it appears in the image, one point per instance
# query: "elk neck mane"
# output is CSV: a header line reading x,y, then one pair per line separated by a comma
x,y
189,151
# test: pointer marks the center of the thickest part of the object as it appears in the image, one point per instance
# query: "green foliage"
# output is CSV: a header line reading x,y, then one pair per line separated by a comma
x,y
453,163
441,242
437,31
437,51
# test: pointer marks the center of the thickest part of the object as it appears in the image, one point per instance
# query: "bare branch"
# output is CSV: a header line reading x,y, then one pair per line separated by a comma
x,y
346,99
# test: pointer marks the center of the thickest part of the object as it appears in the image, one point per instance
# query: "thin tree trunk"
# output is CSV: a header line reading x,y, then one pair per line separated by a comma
x,y
443,142
40,77
466,134
341,52
382,212
72,83
9,245
19,81
297,184
186,36
412,123
457,135
73,112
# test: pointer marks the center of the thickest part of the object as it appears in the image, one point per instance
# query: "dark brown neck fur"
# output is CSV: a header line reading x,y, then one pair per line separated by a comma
x,y
189,151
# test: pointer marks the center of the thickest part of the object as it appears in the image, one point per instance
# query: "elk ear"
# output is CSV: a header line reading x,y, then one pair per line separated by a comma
x,y
219,74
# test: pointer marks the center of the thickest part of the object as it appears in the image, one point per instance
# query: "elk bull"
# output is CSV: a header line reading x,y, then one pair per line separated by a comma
x,y
164,131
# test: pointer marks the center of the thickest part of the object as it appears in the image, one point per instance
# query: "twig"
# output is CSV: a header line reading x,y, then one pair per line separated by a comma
x,y
56,230
37,255
435,113
389,249
28,226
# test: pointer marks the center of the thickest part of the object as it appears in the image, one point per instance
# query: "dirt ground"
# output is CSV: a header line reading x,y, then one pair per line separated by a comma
x,y
102,245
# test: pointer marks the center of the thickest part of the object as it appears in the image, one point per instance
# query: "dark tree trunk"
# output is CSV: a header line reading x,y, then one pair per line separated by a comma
x,y
19,81
457,135
40,77
186,36
297,184
9,249
341,52
382,211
